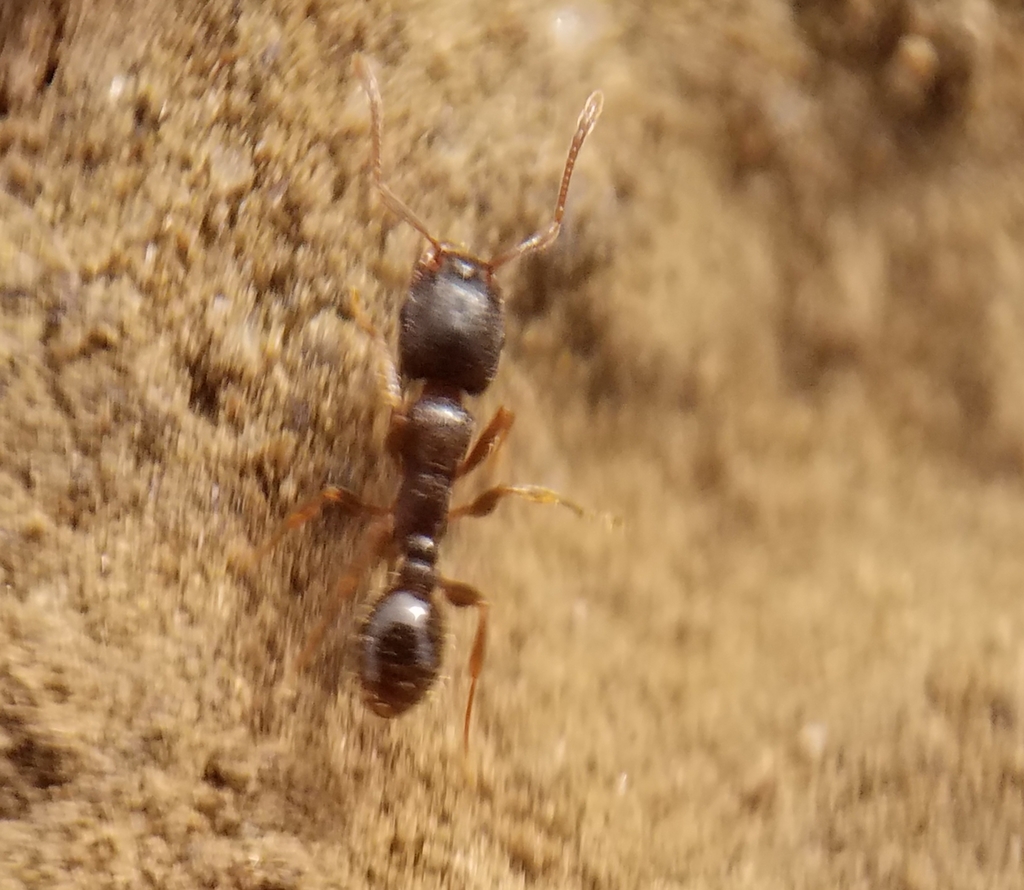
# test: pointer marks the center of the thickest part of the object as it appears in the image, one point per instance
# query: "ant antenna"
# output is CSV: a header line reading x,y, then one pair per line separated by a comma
x,y
395,204
539,240
543,239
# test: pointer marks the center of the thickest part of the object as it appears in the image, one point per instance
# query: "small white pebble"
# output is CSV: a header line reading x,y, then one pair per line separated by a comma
x,y
117,87
574,27
912,72
231,171
812,739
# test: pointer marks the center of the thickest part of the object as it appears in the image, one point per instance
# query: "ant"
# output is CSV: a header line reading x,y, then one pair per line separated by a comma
x,y
451,334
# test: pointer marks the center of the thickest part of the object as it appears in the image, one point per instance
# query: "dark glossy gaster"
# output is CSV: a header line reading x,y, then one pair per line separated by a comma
x,y
451,334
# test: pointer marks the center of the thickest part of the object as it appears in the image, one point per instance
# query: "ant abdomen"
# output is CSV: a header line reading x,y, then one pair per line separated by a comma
x,y
400,652
452,329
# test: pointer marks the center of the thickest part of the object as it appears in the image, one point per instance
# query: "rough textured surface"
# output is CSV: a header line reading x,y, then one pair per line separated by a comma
x,y
781,336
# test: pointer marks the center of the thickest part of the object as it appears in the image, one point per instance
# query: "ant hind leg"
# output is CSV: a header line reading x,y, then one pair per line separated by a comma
x,y
376,543
462,596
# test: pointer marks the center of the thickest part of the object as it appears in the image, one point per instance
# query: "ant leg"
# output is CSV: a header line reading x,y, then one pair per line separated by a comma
x,y
389,373
486,503
376,543
391,383
491,439
463,595
311,509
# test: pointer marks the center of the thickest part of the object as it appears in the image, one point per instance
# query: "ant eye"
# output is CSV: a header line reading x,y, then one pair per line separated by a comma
x,y
401,652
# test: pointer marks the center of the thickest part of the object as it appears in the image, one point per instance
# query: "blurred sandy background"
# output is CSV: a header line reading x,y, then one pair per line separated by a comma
x,y
782,335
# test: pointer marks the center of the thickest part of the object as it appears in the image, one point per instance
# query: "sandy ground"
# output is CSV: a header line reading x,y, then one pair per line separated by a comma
x,y
781,336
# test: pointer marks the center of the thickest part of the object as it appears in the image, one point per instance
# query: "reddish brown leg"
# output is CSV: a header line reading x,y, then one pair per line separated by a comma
x,y
486,503
462,596
375,544
390,382
490,440
311,509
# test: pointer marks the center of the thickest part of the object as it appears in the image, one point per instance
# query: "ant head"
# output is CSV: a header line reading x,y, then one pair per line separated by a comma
x,y
452,326
400,653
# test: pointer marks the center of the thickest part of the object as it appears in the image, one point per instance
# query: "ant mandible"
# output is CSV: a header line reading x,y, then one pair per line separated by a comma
x,y
451,334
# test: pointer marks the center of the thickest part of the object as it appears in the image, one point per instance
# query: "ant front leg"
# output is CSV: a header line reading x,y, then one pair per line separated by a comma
x,y
491,439
463,596
378,540
390,382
